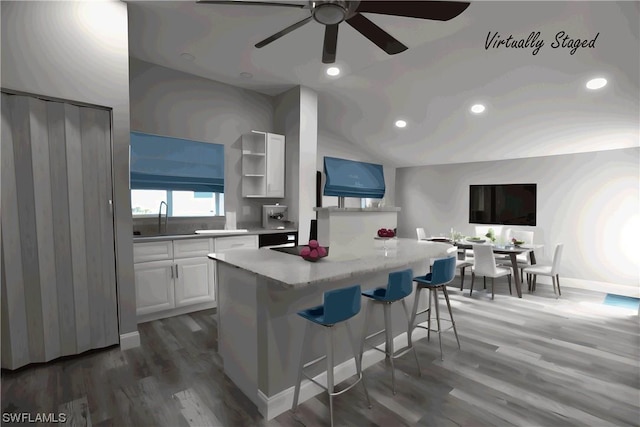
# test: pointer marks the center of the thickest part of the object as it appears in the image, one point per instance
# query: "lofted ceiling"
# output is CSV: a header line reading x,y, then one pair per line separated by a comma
x,y
537,105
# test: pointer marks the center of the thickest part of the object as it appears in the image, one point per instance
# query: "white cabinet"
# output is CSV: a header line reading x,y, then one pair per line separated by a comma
x,y
194,281
173,274
154,286
263,165
275,165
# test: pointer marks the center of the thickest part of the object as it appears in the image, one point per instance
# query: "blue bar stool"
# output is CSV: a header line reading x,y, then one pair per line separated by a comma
x,y
398,287
339,305
443,272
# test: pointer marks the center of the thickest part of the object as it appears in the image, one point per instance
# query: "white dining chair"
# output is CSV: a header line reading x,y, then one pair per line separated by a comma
x,y
523,259
547,270
421,234
484,264
461,264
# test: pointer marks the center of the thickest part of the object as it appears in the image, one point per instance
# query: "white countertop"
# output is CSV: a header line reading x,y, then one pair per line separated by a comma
x,y
294,271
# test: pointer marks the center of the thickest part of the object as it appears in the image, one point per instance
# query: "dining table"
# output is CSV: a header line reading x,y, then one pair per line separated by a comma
x,y
511,250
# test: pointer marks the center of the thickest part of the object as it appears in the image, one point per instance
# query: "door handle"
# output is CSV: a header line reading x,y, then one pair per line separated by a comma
x,y
172,271
177,276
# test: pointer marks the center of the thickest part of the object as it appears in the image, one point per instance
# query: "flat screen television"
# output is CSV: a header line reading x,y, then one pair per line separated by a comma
x,y
508,204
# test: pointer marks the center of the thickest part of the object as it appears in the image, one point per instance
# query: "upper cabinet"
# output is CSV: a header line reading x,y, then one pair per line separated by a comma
x,y
262,165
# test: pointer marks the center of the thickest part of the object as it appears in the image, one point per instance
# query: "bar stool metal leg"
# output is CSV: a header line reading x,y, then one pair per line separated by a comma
x,y
367,313
357,358
389,343
296,393
329,339
415,353
435,292
429,319
414,313
453,323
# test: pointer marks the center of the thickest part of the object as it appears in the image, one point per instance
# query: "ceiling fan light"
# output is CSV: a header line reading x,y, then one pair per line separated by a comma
x,y
329,13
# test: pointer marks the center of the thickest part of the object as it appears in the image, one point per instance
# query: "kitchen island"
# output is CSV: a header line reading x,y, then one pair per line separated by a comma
x,y
259,334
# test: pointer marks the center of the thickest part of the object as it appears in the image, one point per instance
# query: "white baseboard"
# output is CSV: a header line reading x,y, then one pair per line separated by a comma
x,y
272,406
143,318
129,340
591,285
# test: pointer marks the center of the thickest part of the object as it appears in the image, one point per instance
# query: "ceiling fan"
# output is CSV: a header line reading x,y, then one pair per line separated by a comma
x,y
331,13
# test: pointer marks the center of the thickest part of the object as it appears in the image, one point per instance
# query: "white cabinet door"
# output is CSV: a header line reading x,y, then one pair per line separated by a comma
x,y
192,248
223,244
275,165
152,251
154,286
194,281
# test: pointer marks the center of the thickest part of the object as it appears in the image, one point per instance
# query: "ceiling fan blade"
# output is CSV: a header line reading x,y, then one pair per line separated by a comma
x,y
252,3
281,33
330,44
436,10
376,34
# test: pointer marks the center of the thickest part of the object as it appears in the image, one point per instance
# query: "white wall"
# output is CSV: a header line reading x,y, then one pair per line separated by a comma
x,y
79,51
333,146
588,201
296,116
172,103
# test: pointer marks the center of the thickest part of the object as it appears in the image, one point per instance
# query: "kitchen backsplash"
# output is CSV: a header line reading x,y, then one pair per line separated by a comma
x,y
187,225
177,225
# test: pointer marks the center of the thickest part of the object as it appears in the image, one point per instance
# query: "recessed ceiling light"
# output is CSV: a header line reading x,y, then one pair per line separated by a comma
x,y
477,108
333,71
187,56
401,123
246,75
597,83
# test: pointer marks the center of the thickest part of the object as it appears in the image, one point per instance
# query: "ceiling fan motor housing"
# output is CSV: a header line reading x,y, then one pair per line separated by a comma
x,y
331,12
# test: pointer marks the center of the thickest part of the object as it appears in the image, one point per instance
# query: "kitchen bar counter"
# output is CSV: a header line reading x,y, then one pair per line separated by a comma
x,y
260,291
293,271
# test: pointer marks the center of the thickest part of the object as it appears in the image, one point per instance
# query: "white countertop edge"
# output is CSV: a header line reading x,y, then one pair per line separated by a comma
x,y
337,209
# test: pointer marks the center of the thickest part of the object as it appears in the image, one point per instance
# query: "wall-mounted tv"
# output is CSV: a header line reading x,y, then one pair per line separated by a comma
x,y
509,204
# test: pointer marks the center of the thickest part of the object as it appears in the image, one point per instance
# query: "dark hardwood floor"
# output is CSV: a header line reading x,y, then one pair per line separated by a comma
x,y
535,361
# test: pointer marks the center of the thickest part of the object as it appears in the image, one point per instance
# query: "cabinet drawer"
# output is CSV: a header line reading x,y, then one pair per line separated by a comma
x,y
152,251
190,248
236,242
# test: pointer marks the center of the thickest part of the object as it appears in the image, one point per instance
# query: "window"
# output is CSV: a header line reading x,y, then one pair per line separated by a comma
x,y
371,203
179,203
187,175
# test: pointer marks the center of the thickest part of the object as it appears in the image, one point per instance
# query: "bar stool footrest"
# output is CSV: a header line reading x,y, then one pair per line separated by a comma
x,y
325,388
435,330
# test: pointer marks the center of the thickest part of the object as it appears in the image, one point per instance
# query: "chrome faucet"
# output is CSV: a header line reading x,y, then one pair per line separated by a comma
x,y
166,217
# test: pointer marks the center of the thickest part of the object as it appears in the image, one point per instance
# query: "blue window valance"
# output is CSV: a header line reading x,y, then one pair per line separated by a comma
x,y
348,178
161,162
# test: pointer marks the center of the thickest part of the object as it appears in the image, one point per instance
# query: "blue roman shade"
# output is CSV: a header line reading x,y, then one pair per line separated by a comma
x,y
348,178
165,163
